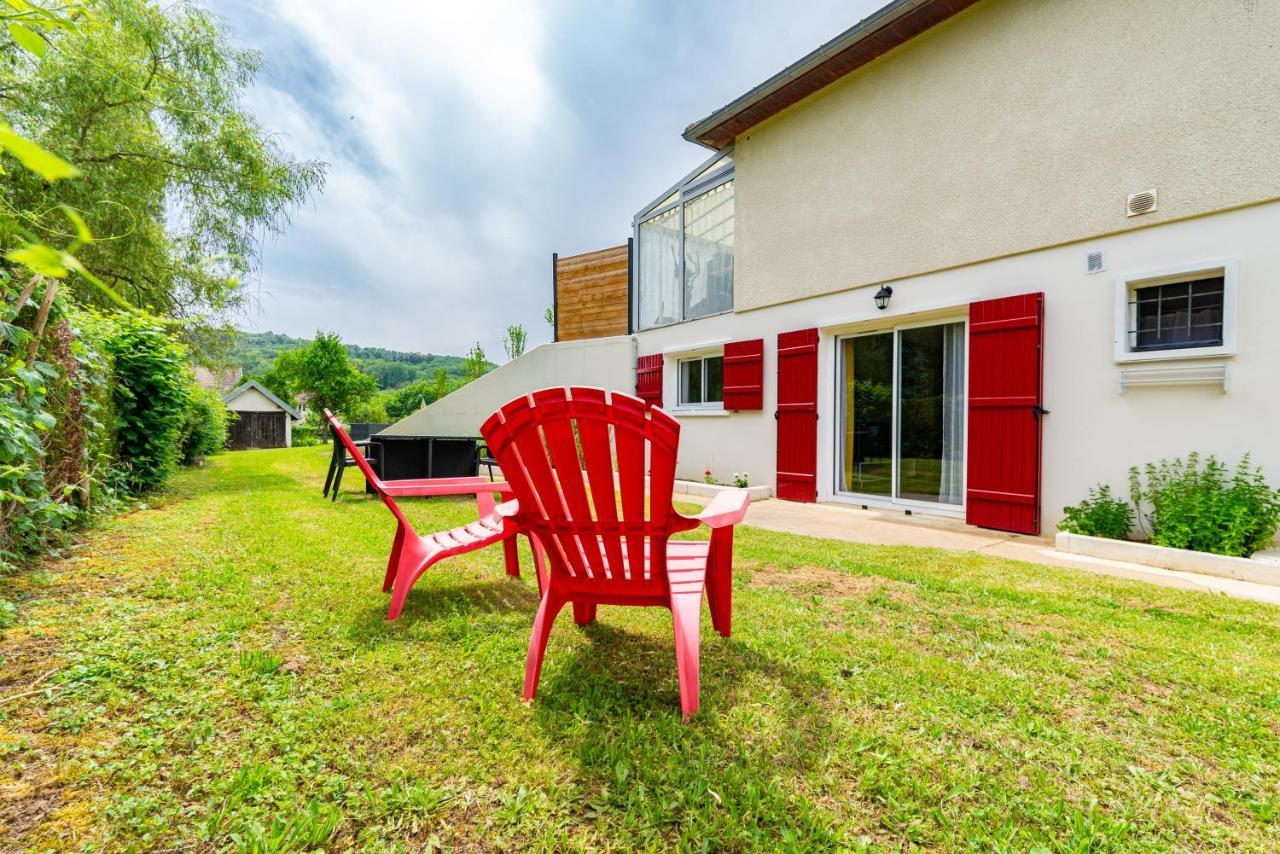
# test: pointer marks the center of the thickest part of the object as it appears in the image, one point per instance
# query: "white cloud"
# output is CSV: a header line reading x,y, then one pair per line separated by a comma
x,y
468,141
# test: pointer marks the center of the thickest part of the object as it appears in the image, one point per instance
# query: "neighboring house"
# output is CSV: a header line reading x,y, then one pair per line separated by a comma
x,y
967,258
220,381
262,419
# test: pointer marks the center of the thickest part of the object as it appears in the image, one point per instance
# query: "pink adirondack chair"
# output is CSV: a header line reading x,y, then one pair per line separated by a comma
x,y
604,543
413,554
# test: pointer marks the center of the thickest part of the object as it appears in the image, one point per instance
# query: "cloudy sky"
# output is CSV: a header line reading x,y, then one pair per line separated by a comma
x,y
466,142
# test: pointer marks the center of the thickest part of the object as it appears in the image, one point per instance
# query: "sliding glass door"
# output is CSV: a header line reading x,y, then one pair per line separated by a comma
x,y
901,402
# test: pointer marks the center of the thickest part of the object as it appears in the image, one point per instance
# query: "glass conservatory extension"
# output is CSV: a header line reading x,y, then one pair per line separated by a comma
x,y
684,248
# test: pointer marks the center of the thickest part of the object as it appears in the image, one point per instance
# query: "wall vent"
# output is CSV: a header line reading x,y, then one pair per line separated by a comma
x,y
1141,203
1094,263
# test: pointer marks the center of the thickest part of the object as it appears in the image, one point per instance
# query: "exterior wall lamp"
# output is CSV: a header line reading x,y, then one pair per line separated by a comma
x,y
882,297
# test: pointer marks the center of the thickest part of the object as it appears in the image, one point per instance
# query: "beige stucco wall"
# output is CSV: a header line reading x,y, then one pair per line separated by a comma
x,y
1016,125
1094,433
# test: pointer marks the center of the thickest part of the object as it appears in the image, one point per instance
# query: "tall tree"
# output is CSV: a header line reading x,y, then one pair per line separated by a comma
x,y
475,363
515,341
323,371
178,182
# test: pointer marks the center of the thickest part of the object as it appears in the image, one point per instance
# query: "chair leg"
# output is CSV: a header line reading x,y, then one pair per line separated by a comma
x,y
685,614
414,561
393,562
337,478
511,556
720,580
328,477
548,608
539,563
584,613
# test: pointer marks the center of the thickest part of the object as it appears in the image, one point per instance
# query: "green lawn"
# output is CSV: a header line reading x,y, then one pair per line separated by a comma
x,y
216,670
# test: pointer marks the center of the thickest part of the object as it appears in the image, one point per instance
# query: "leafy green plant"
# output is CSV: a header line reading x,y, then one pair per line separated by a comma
x,y
177,177
411,398
261,662
8,613
1100,515
152,393
204,430
295,830
514,342
323,370
1206,507
55,422
307,431
476,364
740,479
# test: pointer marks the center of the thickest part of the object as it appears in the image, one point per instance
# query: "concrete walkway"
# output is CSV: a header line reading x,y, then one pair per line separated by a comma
x,y
880,527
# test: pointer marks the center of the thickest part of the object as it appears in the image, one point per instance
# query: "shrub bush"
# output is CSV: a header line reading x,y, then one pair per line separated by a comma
x,y
55,426
1205,507
152,391
204,432
306,432
1099,515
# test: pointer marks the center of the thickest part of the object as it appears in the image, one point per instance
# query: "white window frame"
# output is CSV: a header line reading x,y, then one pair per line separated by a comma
x,y
892,501
698,356
1127,284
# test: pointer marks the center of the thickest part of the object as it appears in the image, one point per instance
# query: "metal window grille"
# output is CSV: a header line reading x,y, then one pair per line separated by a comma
x,y
1177,315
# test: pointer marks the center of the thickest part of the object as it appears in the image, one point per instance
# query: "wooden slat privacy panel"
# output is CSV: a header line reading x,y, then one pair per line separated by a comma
x,y
744,374
591,294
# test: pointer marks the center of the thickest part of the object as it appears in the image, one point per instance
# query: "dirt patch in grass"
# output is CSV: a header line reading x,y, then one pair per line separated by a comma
x,y
22,811
816,579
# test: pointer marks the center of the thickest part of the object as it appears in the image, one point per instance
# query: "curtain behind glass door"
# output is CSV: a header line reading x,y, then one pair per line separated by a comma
x,y
931,413
867,402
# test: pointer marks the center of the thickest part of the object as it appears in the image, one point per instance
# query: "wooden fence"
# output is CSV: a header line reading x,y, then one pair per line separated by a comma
x,y
591,294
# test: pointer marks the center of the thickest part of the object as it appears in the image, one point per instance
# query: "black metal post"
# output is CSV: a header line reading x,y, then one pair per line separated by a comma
x,y
630,285
555,298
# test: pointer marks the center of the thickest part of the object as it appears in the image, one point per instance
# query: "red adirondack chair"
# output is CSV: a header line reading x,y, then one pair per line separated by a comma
x,y
412,554
604,544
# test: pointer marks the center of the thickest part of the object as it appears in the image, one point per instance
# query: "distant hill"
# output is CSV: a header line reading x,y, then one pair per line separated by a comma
x,y
255,351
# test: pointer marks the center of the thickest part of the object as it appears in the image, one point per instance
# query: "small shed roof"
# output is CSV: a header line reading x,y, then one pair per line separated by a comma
x,y
265,392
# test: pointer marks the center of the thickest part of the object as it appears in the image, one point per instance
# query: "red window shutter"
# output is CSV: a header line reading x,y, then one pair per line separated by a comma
x,y
1006,345
744,374
797,415
649,379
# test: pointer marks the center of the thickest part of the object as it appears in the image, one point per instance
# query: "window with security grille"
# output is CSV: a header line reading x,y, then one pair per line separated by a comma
x,y
1179,315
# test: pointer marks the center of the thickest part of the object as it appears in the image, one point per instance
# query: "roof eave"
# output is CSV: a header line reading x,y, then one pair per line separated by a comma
x,y
882,31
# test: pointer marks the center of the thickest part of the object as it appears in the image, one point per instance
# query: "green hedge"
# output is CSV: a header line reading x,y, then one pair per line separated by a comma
x,y
105,409
152,393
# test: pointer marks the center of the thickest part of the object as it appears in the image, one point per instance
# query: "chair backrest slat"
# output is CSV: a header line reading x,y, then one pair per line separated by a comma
x,y
544,441
340,435
597,452
566,460
630,441
535,467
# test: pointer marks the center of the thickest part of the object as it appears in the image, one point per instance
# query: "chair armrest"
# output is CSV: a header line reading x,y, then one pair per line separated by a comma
x,y
728,508
507,509
425,487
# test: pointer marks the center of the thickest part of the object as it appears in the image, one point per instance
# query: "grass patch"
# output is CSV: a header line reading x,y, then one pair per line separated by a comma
x,y
216,670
